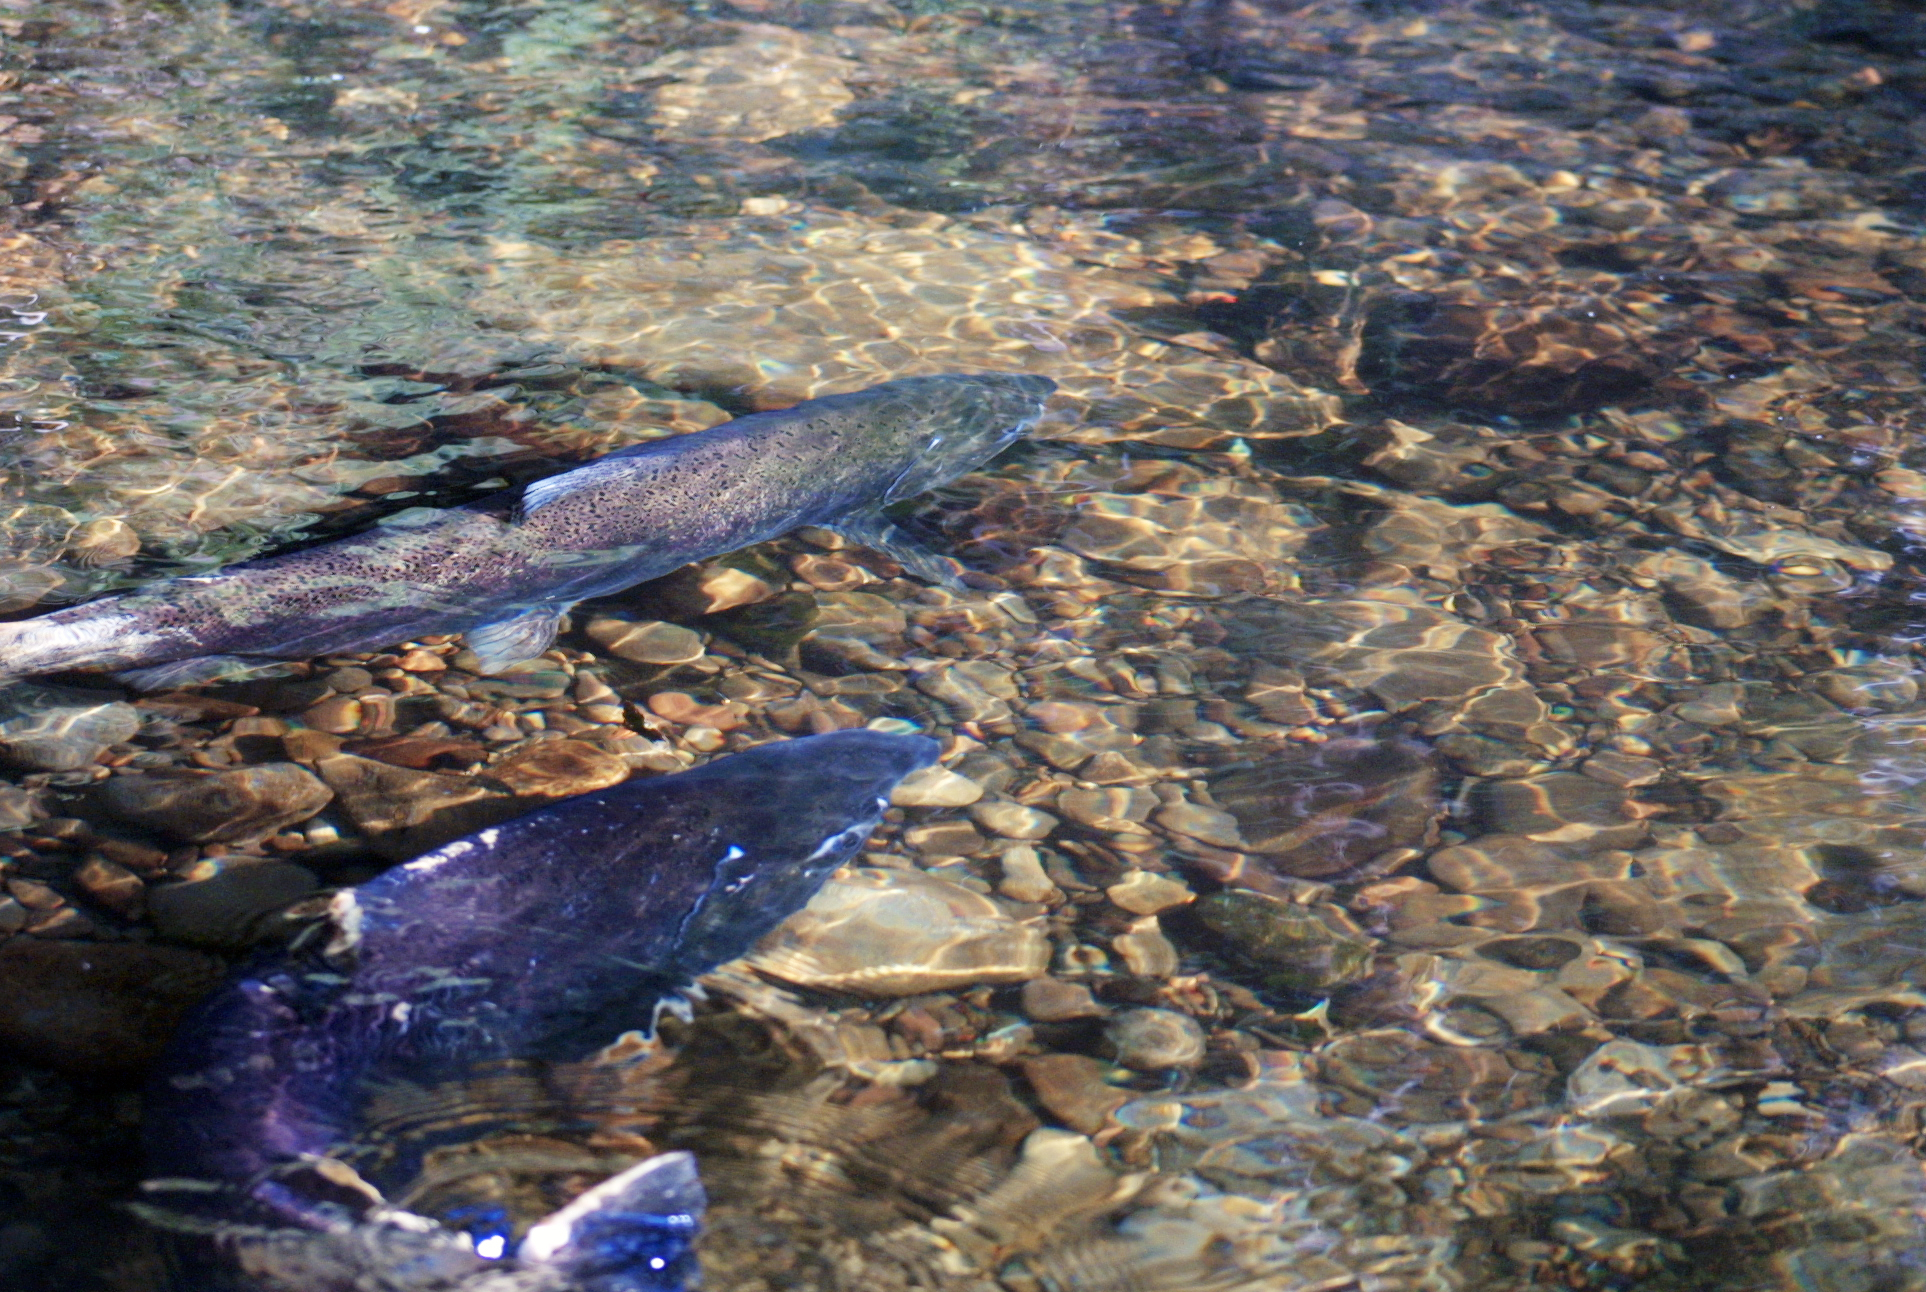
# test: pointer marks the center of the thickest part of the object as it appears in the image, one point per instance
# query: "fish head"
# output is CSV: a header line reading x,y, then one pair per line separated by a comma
x,y
797,809
960,422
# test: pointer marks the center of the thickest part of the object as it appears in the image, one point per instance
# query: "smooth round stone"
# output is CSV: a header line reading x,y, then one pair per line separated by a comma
x,y
556,768
225,908
1013,820
1154,1040
64,737
222,807
882,932
647,641
935,787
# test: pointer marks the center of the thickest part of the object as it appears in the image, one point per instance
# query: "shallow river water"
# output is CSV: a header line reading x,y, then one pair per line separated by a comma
x,y
1432,722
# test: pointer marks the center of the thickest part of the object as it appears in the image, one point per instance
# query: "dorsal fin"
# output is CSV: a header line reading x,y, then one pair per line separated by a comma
x,y
540,493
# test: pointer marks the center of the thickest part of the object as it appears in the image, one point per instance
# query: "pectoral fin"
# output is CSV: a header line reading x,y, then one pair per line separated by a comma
x,y
879,535
515,639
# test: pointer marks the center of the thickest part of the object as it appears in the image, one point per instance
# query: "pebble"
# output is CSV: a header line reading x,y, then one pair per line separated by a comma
x,y
52,737
225,907
1052,1000
879,932
349,680
1073,1088
1144,949
222,807
1142,892
1622,770
1013,820
685,710
935,787
1155,1040
1112,811
646,641
1204,824
97,1010
944,839
557,768
964,695
338,715
711,589
1024,878
114,886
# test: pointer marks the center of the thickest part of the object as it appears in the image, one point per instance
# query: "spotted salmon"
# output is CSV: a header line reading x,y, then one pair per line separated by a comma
x,y
506,581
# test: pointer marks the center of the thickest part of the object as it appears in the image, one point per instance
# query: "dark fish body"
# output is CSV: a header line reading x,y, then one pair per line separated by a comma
x,y
534,944
631,516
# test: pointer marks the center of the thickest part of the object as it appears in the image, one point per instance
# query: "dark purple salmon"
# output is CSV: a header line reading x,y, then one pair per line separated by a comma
x,y
534,943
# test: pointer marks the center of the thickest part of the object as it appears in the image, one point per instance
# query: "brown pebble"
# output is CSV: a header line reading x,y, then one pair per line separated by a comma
x,y
349,680
686,710
944,839
134,856
305,746
34,895
339,715
113,886
1072,1087
1052,1000
646,642
830,573
421,661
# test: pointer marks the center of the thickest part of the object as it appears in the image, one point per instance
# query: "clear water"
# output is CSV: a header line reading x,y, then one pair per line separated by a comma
x,y
1459,620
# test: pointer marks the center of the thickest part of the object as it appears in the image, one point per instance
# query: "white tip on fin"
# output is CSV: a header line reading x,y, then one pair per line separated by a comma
x,y
511,641
666,1186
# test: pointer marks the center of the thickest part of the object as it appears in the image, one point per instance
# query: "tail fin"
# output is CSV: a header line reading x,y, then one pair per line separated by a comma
x,y
634,1231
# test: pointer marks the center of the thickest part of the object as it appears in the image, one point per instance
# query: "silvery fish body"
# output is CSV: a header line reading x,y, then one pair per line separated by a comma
x,y
517,962
631,516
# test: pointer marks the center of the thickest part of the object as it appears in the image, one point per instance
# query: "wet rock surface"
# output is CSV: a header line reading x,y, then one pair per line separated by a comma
x,y
219,807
